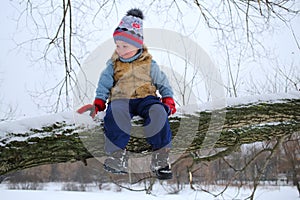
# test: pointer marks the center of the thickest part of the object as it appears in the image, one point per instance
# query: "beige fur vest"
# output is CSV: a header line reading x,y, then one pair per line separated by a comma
x,y
132,80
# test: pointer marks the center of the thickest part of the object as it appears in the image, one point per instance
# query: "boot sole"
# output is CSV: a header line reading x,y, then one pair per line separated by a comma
x,y
167,176
113,171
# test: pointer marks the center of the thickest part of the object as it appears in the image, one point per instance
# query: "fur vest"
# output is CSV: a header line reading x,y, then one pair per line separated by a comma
x,y
132,79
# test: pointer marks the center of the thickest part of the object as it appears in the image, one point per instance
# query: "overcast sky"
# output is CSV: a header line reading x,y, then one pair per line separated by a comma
x,y
15,71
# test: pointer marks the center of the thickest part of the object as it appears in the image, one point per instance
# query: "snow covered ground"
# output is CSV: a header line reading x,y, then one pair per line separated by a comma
x,y
53,191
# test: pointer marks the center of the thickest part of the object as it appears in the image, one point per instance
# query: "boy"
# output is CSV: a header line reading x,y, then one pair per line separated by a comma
x,y
129,83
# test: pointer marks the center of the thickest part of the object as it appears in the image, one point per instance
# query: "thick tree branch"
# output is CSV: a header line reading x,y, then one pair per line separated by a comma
x,y
64,142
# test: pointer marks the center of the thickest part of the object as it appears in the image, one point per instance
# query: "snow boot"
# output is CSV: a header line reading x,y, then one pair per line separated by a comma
x,y
160,165
117,162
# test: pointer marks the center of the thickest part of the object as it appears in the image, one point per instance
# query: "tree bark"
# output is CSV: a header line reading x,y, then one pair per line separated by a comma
x,y
243,124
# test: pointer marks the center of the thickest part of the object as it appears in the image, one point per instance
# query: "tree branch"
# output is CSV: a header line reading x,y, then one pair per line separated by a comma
x,y
64,142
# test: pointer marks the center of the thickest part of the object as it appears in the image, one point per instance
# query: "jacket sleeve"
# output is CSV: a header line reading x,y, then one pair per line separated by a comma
x,y
160,80
105,82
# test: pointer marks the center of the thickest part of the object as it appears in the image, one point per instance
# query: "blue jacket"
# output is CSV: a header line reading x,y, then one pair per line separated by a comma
x,y
106,80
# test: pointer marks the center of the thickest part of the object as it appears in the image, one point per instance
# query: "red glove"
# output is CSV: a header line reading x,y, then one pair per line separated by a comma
x,y
99,105
169,101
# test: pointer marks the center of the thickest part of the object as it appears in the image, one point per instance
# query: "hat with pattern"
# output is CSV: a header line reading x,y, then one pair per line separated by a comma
x,y
130,29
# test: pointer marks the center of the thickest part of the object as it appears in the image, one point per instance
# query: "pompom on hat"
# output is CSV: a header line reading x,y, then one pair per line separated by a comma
x,y
130,29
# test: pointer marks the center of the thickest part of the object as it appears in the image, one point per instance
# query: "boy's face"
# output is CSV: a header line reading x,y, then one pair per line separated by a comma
x,y
125,50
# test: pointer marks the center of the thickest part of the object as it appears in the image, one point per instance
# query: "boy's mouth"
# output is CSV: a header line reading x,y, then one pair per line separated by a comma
x,y
127,54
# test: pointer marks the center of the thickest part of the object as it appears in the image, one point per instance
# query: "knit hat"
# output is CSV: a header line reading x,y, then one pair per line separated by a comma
x,y
130,29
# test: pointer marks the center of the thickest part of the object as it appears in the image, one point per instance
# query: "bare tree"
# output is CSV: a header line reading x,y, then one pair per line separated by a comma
x,y
7,111
292,156
61,31
283,79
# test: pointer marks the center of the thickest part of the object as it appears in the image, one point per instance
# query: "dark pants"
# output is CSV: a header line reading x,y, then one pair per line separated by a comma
x,y
117,122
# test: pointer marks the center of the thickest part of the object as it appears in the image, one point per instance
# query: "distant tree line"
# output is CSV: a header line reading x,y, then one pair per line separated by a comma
x,y
240,168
